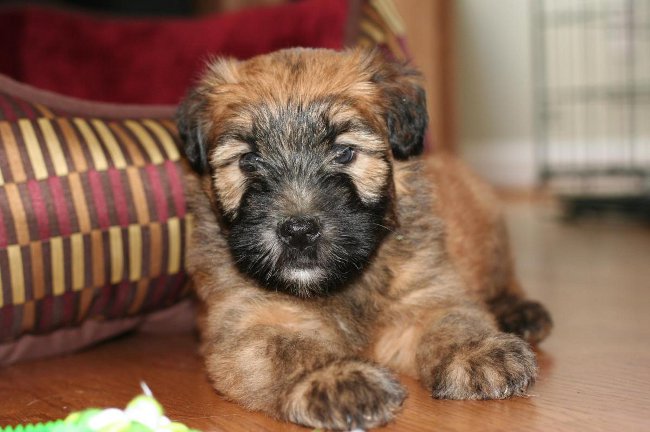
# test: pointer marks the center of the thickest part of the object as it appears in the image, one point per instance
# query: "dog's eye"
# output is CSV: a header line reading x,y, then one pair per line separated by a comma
x,y
249,161
345,156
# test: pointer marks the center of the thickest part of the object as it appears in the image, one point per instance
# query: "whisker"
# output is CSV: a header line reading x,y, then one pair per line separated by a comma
x,y
384,227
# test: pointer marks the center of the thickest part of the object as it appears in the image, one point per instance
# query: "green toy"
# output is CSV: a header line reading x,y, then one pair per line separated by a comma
x,y
142,414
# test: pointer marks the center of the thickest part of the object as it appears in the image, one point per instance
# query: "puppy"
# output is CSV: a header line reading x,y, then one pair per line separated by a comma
x,y
327,259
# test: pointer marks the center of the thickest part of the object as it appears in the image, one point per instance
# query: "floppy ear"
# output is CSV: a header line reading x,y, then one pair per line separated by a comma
x,y
405,106
189,121
196,111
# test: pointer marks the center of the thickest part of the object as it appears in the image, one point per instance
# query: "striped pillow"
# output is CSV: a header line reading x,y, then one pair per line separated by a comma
x,y
380,25
92,211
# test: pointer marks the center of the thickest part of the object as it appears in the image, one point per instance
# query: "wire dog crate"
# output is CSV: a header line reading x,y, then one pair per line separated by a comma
x,y
592,75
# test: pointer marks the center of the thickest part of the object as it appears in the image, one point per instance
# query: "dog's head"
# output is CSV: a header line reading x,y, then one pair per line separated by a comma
x,y
298,146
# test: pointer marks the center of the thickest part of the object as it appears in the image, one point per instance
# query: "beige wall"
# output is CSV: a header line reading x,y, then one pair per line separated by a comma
x,y
494,89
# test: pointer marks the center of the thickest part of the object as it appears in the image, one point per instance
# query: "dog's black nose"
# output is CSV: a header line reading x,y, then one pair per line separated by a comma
x,y
299,232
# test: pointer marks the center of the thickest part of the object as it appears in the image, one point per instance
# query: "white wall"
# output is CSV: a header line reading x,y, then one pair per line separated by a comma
x,y
495,89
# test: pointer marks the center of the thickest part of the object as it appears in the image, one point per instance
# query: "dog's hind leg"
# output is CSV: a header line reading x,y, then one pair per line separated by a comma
x,y
514,313
478,244
506,298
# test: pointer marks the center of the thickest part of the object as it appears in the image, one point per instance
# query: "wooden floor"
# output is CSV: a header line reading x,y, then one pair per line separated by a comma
x,y
594,369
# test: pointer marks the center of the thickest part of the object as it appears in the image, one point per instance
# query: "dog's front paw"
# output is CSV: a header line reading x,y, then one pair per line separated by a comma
x,y
497,367
346,395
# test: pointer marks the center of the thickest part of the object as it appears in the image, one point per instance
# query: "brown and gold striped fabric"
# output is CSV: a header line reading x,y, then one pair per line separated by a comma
x,y
93,216
380,25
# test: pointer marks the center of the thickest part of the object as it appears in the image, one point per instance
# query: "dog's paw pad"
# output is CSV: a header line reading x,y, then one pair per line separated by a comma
x,y
345,395
496,367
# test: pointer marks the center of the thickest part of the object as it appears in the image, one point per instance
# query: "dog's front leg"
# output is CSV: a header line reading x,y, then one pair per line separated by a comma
x,y
462,355
295,364
453,347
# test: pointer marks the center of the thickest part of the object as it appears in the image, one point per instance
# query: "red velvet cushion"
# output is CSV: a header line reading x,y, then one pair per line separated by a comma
x,y
151,60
